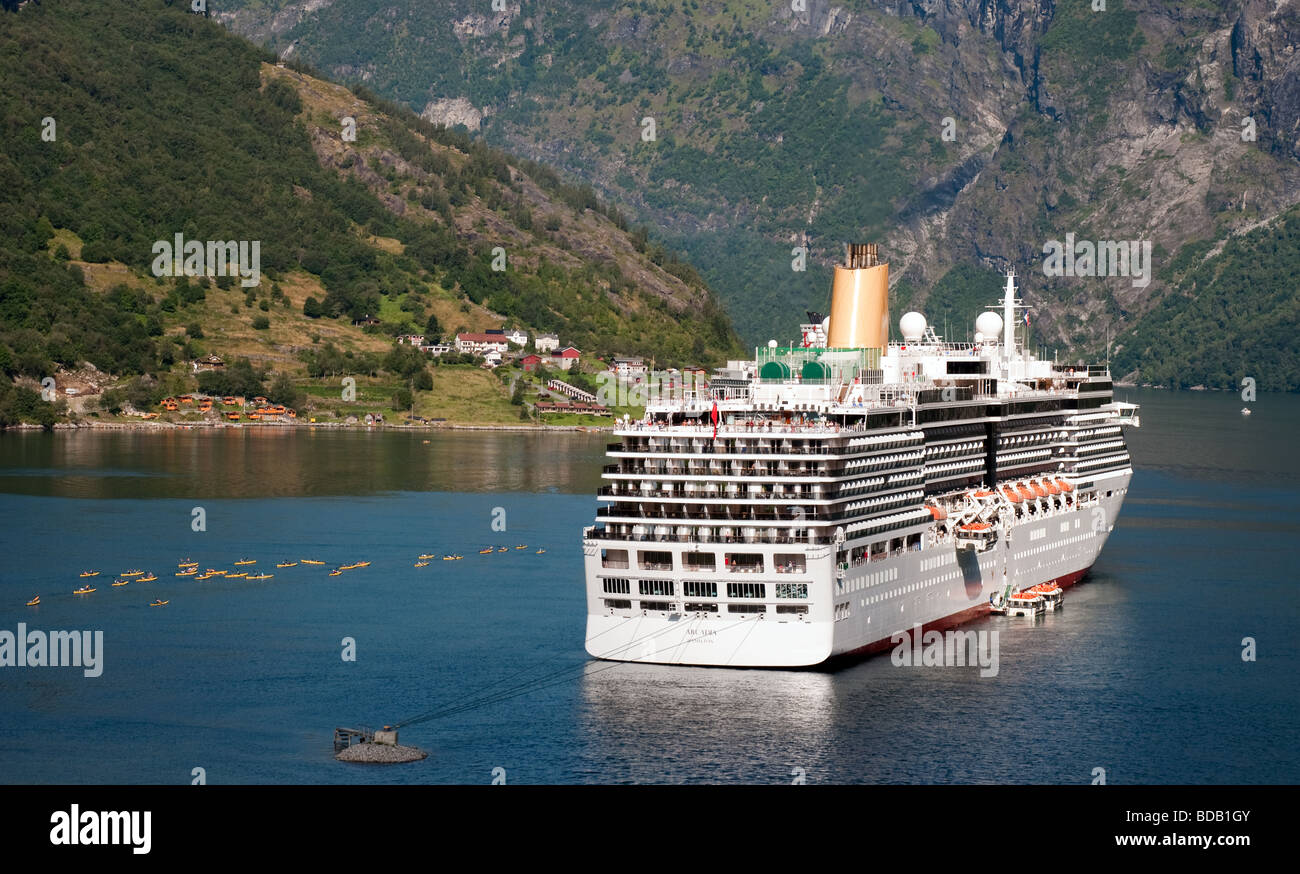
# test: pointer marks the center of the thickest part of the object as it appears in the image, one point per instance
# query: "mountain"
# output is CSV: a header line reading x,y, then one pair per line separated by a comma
x,y
964,135
126,125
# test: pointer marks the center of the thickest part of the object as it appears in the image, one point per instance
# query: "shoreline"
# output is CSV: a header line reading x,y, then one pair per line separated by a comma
x,y
295,426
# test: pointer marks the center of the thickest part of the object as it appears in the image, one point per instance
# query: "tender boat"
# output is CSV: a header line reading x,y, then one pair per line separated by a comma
x,y
84,590
1027,603
34,602
158,603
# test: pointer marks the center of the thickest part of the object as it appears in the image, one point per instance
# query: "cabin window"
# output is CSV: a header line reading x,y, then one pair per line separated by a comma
x,y
655,561
701,608
618,604
700,561
746,608
792,590
744,562
657,605
615,558
656,587
699,589
617,586
790,563
746,590
791,608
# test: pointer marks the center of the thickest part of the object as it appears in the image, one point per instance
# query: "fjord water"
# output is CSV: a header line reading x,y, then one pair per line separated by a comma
x,y
1140,675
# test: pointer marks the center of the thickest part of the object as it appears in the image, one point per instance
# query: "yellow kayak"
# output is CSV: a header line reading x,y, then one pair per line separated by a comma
x,y
34,602
238,576
504,549
362,564
84,590
311,561
245,561
427,557
187,573
90,573
485,551
262,577
160,603
149,579
121,583
287,564
522,546
336,573
421,564
187,564
128,573
541,552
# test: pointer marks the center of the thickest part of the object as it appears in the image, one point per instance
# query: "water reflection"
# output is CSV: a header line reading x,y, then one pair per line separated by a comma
x,y
276,462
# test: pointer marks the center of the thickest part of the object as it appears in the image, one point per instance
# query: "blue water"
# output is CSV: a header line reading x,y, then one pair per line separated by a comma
x,y
1141,674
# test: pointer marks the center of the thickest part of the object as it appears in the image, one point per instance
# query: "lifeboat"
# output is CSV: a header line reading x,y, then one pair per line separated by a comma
x,y
937,512
1027,603
983,493
1052,594
1051,487
34,602
1011,495
1038,489
975,526
1065,486
1025,492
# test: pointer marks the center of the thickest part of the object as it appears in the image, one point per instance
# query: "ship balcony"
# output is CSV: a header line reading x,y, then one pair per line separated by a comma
x,y
749,514
739,471
603,533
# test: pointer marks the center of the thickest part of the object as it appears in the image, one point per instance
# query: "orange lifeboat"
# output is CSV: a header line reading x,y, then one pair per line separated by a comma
x,y
937,512
1038,489
983,493
1025,492
1051,487
1011,494
1065,486
974,526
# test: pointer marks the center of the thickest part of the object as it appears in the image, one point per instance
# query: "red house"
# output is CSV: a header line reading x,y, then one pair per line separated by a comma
x,y
530,362
566,357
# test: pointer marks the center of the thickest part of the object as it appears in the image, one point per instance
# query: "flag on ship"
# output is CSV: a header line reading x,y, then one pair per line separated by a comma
x,y
713,416
1026,319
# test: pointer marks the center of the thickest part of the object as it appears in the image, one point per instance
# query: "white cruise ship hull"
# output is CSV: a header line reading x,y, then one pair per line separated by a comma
x,y
937,587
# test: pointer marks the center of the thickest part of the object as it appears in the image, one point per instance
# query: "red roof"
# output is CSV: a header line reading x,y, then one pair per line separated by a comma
x,y
536,359
568,352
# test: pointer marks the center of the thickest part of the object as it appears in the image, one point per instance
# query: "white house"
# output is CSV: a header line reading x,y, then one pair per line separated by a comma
x,y
412,339
629,367
546,343
518,337
481,344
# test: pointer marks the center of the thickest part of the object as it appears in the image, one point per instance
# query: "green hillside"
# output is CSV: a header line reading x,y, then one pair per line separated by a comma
x,y
163,123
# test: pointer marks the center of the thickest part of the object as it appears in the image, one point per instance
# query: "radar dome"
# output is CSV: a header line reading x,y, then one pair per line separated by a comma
x,y
771,344
912,325
990,325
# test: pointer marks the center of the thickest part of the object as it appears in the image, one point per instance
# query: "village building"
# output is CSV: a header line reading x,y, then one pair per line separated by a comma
x,y
566,359
545,343
480,344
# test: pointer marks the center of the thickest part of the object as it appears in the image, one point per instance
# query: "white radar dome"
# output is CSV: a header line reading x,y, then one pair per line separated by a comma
x,y
771,344
826,326
990,325
912,325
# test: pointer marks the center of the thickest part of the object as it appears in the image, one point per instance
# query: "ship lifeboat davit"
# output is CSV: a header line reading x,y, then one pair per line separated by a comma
x,y
1065,486
1025,492
974,526
1051,487
1038,488
1011,494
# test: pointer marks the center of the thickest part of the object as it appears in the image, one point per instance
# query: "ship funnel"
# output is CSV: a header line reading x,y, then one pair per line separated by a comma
x,y
860,300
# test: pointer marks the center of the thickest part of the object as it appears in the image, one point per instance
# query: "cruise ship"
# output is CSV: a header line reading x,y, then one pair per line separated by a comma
x,y
810,504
